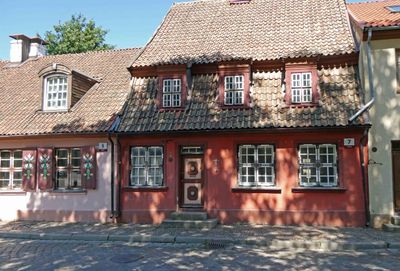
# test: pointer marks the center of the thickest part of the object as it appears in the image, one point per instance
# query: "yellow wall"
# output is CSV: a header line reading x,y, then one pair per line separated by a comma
x,y
385,118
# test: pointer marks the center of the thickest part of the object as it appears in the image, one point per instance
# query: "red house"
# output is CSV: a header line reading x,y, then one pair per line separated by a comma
x,y
241,109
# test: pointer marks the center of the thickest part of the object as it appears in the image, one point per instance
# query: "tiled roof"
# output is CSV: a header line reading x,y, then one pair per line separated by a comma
x,y
339,91
20,92
207,31
375,14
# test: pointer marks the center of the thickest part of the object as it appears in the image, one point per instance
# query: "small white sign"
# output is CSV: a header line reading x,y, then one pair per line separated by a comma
x,y
349,142
102,147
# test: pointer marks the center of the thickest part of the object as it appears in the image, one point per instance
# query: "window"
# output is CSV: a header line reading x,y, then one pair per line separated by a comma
x,y
318,165
146,166
68,169
10,170
256,165
301,87
394,8
172,89
55,94
234,90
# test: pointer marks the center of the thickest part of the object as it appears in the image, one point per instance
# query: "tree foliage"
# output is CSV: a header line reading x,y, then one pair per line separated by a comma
x,y
76,36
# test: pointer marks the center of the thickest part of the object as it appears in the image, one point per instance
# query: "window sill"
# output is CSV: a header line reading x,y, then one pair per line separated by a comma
x,y
318,189
13,192
60,191
53,111
145,189
300,105
227,107
166,109
275,190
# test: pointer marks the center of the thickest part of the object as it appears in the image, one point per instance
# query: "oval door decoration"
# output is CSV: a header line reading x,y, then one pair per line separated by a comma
x,y
192,193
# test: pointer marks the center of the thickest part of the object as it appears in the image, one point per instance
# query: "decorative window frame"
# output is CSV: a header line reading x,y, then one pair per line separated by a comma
x,y
229,70
171,73
46,93
318,165
69,168
53,70
296,68
146,167
256,165
12,169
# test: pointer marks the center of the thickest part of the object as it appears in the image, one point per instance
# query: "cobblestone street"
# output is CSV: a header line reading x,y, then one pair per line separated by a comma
x,y
76,255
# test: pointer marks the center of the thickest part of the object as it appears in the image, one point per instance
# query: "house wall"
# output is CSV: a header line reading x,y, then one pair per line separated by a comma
x,y
385,120
91,205
344,208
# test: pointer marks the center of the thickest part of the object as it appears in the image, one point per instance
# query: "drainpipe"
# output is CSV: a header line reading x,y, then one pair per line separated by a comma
x,y
371,83
112,176
364,178
118,209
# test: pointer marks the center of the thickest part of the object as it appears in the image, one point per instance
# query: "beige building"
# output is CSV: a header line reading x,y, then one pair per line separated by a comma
x,y
376,27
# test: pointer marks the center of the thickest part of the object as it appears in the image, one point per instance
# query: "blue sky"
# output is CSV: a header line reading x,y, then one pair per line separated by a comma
x,y
130,22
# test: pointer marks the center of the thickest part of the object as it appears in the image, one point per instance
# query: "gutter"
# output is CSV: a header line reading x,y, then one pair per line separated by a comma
x,y
110,133
371,83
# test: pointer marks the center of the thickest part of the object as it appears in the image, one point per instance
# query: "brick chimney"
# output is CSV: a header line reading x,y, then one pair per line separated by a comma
x,y
23,47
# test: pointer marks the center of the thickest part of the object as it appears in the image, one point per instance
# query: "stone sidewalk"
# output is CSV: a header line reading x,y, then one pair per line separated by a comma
x,y
276,237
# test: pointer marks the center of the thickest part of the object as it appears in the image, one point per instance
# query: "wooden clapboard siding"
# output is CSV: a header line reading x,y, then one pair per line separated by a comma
x,y
80,85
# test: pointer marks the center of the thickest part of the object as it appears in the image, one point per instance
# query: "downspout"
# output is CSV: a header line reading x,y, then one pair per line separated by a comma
x,y
112,175
371,83
364,178
365,135
118,209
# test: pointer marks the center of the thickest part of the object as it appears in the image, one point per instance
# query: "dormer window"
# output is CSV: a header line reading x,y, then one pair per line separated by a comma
x,y
172,93
234,85
301,87
301,84
56,93
234,90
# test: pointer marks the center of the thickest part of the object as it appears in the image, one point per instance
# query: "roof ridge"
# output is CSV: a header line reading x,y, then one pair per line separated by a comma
x,y
369,2
93,52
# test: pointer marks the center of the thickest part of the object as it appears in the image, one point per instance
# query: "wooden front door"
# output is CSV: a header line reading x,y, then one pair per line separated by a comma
x,y
396,178
191,181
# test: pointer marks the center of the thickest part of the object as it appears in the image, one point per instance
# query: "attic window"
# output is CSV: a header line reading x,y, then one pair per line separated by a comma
x,y
395,9
56,92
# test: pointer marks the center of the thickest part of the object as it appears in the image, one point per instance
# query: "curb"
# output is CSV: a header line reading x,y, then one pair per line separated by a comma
x,y
327,245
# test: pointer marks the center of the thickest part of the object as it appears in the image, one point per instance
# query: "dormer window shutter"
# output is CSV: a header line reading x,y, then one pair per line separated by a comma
x,y
45,168
29,170
88,167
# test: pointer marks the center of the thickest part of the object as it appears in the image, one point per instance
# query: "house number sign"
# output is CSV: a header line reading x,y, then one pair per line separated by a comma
x,y
349,142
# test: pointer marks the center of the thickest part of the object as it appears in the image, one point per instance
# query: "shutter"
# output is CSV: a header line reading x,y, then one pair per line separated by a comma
x,y
29,170
45,168
88,167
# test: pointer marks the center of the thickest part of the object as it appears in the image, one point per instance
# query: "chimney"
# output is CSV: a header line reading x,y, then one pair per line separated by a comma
x,y
23,47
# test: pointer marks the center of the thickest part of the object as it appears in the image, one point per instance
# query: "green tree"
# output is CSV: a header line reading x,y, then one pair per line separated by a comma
x,y
76,36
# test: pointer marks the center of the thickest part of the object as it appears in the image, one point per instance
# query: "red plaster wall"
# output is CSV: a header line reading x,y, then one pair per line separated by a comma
x,y
285,207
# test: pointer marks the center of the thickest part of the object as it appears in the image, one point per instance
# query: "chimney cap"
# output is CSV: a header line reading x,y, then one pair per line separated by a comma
x,y
36,39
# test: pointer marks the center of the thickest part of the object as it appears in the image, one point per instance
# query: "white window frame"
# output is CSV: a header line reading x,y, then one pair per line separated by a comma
x,y
318,165
60,103
69,169
143,164
172,93
301,87
11,169
256,166
234,90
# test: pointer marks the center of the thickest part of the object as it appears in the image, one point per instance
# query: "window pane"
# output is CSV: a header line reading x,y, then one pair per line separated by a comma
x,y
17,180
62,179
76,158
56,92
167,85
155,156
4,180
239,82
76,181
138,176
307,79
138,156
229,83
17,159
308,154
308,175
5,157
